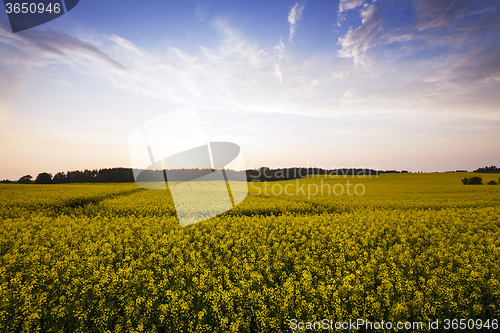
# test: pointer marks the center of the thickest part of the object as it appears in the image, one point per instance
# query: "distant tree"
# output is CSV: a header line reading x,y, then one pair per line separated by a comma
x,y
114,175
492,182
25,180
75,176
43,178
488,169
5,181
124,176
59,177
472,181
89,175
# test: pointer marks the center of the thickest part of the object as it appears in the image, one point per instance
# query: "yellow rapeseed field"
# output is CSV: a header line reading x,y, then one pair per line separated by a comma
x,y
113,257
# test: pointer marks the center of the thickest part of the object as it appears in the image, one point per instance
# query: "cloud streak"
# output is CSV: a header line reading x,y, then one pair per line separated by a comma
x,y
34,50
345,5
294,17
356,43
34,44
241,74
280,51
465,32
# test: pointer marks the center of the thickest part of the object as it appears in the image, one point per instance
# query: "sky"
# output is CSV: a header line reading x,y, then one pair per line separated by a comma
x,y
407,84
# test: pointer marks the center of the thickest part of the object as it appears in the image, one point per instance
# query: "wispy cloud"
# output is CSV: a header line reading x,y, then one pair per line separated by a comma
x,y
200,12
294,17
280,51
34,49
239,73
463,31
356,43
345,5
433,14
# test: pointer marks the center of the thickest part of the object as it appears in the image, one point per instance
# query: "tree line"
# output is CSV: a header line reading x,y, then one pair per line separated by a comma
x,y
113,175
488,169
125,175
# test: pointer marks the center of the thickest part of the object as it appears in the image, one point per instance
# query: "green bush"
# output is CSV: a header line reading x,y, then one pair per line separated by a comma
x,y
492,182
472,181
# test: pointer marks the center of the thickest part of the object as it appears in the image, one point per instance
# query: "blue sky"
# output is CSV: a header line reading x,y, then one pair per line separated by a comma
x,y
409,85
